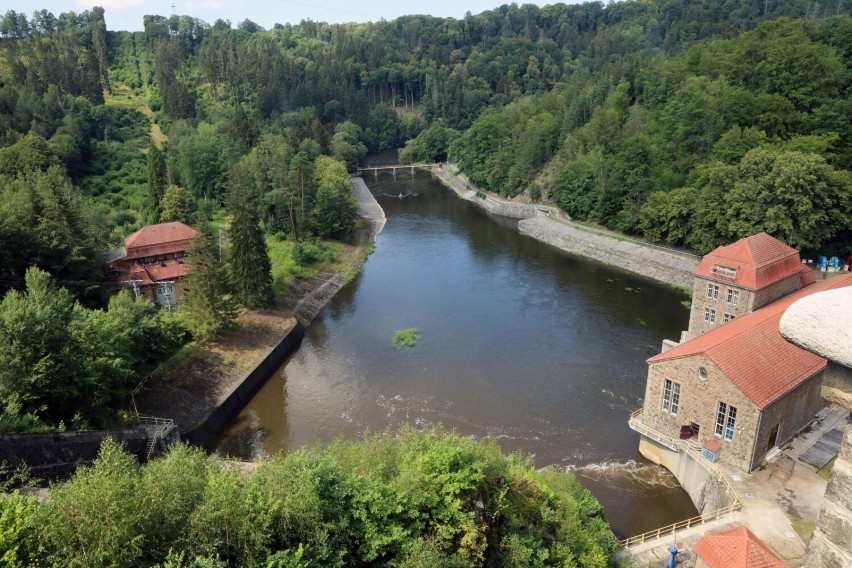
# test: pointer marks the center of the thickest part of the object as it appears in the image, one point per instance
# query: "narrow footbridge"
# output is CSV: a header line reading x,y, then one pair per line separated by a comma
x,y
394,167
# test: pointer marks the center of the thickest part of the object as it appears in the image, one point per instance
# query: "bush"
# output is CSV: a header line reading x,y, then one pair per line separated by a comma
x,y
306,253
417,499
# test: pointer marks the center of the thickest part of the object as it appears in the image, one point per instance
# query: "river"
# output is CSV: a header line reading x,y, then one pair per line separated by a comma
x,y
543,351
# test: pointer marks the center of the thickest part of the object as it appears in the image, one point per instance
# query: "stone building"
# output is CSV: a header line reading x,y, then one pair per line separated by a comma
x,y
152,262
737,279
735,389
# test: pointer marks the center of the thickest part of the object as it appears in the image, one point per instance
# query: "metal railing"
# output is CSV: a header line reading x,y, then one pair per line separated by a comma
x,y
685,524
636,424
694,451
155,421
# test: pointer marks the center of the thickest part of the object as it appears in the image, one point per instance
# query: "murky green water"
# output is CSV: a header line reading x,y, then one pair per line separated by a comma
x,y
541,350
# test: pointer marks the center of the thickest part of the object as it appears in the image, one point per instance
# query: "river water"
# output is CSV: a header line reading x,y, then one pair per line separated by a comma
x,y
519,341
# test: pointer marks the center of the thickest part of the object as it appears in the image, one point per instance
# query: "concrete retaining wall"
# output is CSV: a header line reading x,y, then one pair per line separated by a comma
x,y
708,493
552,226
205,431
59,454
656,263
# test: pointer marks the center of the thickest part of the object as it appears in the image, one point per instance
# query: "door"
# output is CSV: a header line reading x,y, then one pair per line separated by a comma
x,y
773,437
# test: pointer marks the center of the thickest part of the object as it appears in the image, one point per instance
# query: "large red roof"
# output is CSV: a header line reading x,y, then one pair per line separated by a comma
x,y
751,352
165,238
754,262
736,548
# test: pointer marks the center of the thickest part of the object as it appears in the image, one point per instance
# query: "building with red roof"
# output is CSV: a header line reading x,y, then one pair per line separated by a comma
x,y
735,548
739,278
153,262
736,382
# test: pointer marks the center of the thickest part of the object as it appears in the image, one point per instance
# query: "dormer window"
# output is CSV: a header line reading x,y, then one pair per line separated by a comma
x,y
724,272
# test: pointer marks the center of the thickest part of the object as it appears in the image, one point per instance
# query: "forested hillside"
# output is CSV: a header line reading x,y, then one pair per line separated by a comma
x,y
691,123
620,114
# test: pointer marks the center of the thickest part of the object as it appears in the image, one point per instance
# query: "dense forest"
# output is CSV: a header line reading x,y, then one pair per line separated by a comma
x,y
687,123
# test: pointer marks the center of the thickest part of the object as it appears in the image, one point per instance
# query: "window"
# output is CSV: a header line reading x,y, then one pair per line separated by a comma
x,y
727,317
710,315
732,418
712,291
671,396
675,397
733,297
720,418
726,419
702,373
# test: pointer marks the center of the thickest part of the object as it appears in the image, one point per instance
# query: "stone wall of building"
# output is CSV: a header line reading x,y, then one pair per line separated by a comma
x,y
699,403
700,301
792,413
775,291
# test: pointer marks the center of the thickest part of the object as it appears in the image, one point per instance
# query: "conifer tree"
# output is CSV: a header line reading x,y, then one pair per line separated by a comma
x,y
157,179
207,305
250,268
177,205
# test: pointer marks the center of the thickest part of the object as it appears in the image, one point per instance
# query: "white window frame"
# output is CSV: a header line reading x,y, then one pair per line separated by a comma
x,y
713,291
726,317
710,315
733,297
671,396
726,421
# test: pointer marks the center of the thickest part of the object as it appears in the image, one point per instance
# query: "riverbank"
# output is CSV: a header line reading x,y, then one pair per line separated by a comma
x,y
552,226
308,297
212,384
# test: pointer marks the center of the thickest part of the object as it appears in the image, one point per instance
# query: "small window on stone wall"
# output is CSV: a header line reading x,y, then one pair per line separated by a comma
x,y
702,373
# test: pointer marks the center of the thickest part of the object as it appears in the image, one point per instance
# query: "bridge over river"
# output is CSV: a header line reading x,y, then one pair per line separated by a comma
x,y
394,167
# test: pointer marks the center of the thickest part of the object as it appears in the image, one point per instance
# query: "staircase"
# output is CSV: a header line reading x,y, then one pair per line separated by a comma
x,y
162,432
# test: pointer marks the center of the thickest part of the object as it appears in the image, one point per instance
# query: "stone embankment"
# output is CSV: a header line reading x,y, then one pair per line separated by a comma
x,y
213,384
323,286
552,226
655,263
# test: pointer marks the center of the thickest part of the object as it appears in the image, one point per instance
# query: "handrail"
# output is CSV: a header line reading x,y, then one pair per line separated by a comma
x,y
685,524
394,166
646,430
695,453
155,421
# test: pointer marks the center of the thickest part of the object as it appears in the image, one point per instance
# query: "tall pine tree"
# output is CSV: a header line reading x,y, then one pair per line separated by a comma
x,y
157,179
207,305
251,270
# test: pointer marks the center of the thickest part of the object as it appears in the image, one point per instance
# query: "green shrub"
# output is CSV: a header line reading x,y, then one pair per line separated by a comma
x,y
415,499
405,338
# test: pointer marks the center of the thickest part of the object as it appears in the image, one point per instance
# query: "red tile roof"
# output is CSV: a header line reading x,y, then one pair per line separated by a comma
x,y
736,548
751,352
158,273
165,238
757,261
